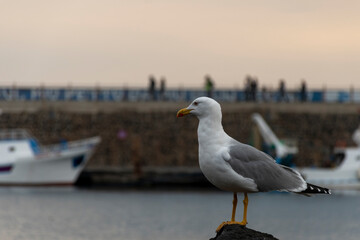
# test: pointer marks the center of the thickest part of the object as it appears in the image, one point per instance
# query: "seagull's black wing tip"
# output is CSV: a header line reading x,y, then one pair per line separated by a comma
x,y
313,189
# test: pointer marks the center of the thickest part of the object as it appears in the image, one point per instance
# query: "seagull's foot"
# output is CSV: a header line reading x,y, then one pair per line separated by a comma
x,y
242,223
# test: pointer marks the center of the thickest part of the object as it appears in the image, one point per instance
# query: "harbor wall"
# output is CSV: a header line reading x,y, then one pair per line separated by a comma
x,y
148,134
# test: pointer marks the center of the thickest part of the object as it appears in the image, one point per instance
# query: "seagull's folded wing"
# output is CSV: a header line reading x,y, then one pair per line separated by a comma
x,y
267,174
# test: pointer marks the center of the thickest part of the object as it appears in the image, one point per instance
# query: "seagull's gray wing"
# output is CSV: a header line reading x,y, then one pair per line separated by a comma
x,y
267,174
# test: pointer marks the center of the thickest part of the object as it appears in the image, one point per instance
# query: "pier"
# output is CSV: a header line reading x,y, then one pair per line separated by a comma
x,y
144,140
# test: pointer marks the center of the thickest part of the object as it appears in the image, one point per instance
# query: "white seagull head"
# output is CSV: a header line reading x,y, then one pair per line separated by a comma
x,y
202,107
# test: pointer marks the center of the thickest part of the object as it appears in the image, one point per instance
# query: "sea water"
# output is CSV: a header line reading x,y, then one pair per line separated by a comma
x,y
79,214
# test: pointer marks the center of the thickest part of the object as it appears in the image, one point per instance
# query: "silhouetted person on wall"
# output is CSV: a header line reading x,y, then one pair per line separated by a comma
x,y
247,87
282,91
162,88
209,86
264,94
303,92
152,84
253,89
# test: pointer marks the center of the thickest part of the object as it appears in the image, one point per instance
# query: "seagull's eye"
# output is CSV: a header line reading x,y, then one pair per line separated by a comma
x,y
196,103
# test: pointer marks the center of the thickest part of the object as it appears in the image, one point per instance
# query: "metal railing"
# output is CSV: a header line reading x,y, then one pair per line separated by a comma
x,y
133,95
14,134
68,145
22,134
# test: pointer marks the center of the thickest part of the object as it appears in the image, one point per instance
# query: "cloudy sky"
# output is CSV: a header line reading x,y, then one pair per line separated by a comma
x,y
120,43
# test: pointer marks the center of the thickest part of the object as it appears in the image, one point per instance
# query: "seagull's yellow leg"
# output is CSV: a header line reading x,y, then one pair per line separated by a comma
x,y
234,208
245,201
233,214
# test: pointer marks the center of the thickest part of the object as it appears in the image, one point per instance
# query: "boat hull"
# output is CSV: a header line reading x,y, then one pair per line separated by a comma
x,y
60,168
331,178
345,176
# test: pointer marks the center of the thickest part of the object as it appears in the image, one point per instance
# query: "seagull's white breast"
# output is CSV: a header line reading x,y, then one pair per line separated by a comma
x,y
213,157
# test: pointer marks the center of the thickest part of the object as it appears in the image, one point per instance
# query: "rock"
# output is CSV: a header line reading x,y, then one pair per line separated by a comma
x,y
233,232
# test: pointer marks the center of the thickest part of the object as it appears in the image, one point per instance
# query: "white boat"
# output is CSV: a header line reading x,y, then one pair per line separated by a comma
x,y
26,162
346,174
356,136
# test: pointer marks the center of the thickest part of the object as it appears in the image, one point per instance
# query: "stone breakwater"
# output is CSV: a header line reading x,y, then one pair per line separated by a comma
x,y
148,134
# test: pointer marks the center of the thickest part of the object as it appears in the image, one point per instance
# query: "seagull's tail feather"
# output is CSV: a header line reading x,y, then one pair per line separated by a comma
x,y
313,189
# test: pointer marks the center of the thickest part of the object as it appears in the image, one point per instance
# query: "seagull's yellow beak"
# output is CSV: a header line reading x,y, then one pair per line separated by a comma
x,y
183,112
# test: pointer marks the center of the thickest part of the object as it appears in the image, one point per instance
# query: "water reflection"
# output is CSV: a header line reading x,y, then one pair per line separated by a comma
x,y
71,213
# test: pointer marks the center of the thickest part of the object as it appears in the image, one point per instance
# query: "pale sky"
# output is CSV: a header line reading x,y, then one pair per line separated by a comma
x,y
120,43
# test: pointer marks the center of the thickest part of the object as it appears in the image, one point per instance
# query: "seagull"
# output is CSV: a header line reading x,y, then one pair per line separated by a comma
x,y
236,167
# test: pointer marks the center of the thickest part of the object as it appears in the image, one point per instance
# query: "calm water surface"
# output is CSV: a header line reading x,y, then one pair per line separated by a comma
x,y
71,213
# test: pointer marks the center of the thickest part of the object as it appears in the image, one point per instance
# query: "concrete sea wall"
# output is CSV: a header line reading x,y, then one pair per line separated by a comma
x,y
148,134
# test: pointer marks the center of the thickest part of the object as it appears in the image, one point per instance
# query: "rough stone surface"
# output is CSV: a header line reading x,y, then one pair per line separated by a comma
x,y
234,232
